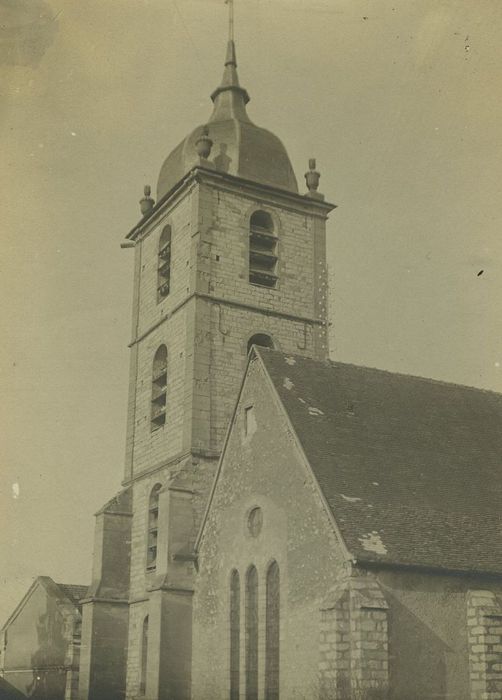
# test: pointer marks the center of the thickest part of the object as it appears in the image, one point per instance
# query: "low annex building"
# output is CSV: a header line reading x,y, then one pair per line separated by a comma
x,y
40,643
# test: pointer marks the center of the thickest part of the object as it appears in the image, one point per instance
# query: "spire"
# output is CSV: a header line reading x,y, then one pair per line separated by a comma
x,y
237,97
230,4
230,79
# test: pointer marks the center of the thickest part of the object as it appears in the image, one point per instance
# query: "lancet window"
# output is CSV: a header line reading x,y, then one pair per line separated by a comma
x,y
252,634
144,656
235,631
272,633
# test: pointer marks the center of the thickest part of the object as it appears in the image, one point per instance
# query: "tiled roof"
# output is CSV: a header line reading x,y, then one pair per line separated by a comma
x,y
73,592
410,467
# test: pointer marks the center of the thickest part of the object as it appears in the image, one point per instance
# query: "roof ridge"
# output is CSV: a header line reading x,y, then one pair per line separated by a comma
x,y
335,363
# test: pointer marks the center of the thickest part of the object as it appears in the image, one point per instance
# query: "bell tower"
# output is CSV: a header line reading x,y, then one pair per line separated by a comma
x,y
229,251
229,255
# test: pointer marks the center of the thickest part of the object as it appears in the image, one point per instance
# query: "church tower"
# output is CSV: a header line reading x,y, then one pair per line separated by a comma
x,y
229,255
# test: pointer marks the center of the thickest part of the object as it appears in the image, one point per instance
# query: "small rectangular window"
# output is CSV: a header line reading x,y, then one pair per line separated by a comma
x,y
249,420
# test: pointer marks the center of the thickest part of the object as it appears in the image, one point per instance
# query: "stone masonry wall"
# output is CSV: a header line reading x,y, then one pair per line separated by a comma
x,y
137,613
484,621
207,345
229,269
154,448
354,648
155,323
233,310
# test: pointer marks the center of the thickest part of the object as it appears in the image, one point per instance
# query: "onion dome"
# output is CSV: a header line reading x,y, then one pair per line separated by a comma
x,y
239,147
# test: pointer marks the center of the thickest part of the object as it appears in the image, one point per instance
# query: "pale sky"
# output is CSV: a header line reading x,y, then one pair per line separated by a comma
x,y
401,104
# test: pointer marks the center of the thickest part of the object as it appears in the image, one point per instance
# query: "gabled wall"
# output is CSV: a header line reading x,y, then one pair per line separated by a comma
x,y
37,640
264,469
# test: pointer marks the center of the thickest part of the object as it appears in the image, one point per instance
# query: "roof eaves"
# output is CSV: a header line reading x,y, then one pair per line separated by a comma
x,y
362,562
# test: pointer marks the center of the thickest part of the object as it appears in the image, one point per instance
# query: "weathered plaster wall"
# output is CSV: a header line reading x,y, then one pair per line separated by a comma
x,y
104,651
36,644
263,469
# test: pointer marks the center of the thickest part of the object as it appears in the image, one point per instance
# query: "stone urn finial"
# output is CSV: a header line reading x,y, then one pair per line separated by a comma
x,y
146,203
204,144
312,177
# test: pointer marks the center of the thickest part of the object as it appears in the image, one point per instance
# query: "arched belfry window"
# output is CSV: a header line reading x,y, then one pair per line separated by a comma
x,y
153,527
164,265
272,633
144,656
262,250
159,388
261,339
252,634
235,632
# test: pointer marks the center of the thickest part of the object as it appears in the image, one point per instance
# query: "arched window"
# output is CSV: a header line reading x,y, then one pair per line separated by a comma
x,y
159,388
235,631
272,626
153,527
261,339
164,265
144,656
262,250
252,634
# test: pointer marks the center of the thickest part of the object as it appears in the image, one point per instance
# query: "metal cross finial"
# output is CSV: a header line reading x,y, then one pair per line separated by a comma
x,y
230,4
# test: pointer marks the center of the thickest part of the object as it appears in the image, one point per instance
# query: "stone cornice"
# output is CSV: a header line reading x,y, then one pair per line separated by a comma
x,y
232,183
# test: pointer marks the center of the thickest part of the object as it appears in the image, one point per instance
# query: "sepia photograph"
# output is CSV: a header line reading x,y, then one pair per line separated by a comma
x,y
251,365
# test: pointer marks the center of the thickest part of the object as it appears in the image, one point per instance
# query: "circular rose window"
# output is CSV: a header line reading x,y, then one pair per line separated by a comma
x,y
255,521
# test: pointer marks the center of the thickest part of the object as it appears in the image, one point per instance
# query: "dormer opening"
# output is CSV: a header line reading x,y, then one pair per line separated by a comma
x,y
262,250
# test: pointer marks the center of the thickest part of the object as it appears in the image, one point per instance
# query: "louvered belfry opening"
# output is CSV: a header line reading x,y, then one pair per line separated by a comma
x,y
153,527
164,264
262,250
252,634
272,633
159,388
235,631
